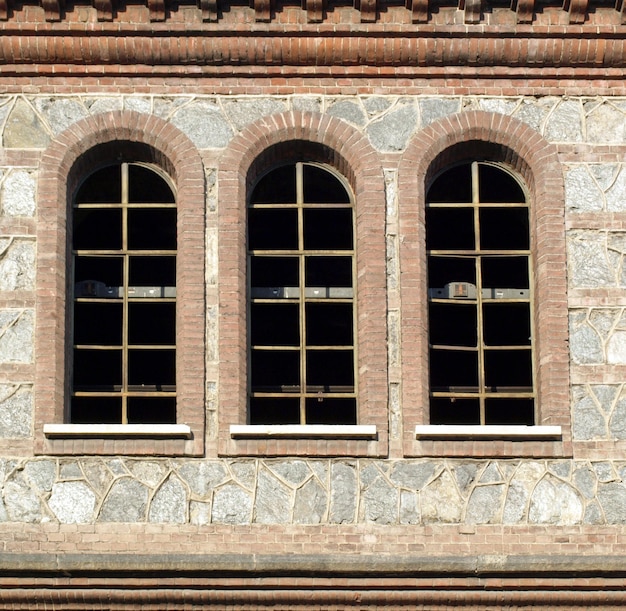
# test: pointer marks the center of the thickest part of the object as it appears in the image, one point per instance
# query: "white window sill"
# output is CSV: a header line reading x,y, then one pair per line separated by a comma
x,y
295,431
118,430
454,431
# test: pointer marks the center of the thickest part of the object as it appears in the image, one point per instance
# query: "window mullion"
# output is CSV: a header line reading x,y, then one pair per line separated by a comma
x,y
301,289
126,272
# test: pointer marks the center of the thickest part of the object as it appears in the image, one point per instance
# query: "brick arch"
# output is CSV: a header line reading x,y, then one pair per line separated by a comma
x,y
500,138
301,136
107,137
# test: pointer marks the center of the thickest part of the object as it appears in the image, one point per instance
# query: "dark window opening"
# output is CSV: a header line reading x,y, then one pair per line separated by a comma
x,y
124,316
480,301
301,298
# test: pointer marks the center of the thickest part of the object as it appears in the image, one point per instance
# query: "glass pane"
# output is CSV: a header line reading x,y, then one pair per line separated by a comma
x,y
322,187
508,369
328,229
505,272
152,271
504,229
329,324
152,323
102,187
272,229
146,186
274,411
271,370
276,187
107,271
445,410
443,270
453,324
510,411
274,324
96,410
330,368
452,370
153,368
506,324
97,370
97,229
151,410
152,228
274,272
329,271
498,186
331,411
453,186
98,323
449,228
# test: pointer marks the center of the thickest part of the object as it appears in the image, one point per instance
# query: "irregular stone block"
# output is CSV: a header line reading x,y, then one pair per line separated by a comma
x,y
392,131
242,112
16,411
21,503
102,104
582,194
272,504
440,501
376,105
616,193
533,111
588,421
202,477
137,103
485,504
204,123
18,193
16,336
606,124
565,123
231,505
412,475
40,474
585,344
585,480
24,129
310,506
612,498
588,261
617,423
343,493
72,502
295,472
616,348
169,504
126,502
520,488
499,105
60,113
348,111
17,264
432,109
307,103
199,513
555,502
409,508
147,472
380,502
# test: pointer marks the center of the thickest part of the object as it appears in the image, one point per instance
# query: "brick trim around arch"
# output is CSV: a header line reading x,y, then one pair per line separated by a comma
x,y
500,138
302,136
74,153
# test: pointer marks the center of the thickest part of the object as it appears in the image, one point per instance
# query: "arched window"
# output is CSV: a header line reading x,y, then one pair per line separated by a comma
x,y
301,334
480,297
123,240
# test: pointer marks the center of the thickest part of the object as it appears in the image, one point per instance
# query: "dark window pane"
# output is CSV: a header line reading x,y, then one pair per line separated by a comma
x,y
151,323
498,186
107,270
510,411
328,229
504,229
102,187
449,228
505,272
276,187
329,271
453,369
152,228
453,324
508,369
331,411
151,410
329,324
445,410
274,411
443,270
99,229
153,368
274,272
274,324
152,271
326,368
272,229
506,324
97,369
453,186
274,369
98,323
96,410
146,186
321,186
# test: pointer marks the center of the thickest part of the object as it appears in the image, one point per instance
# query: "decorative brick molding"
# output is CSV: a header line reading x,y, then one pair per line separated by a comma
x,y
131,136
500,138
300,136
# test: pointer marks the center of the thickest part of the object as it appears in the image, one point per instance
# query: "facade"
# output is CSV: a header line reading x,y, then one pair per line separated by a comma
x,y
312,306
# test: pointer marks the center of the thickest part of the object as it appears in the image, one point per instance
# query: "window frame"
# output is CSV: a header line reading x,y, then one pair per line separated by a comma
x,y
289,137
503,140
130,137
